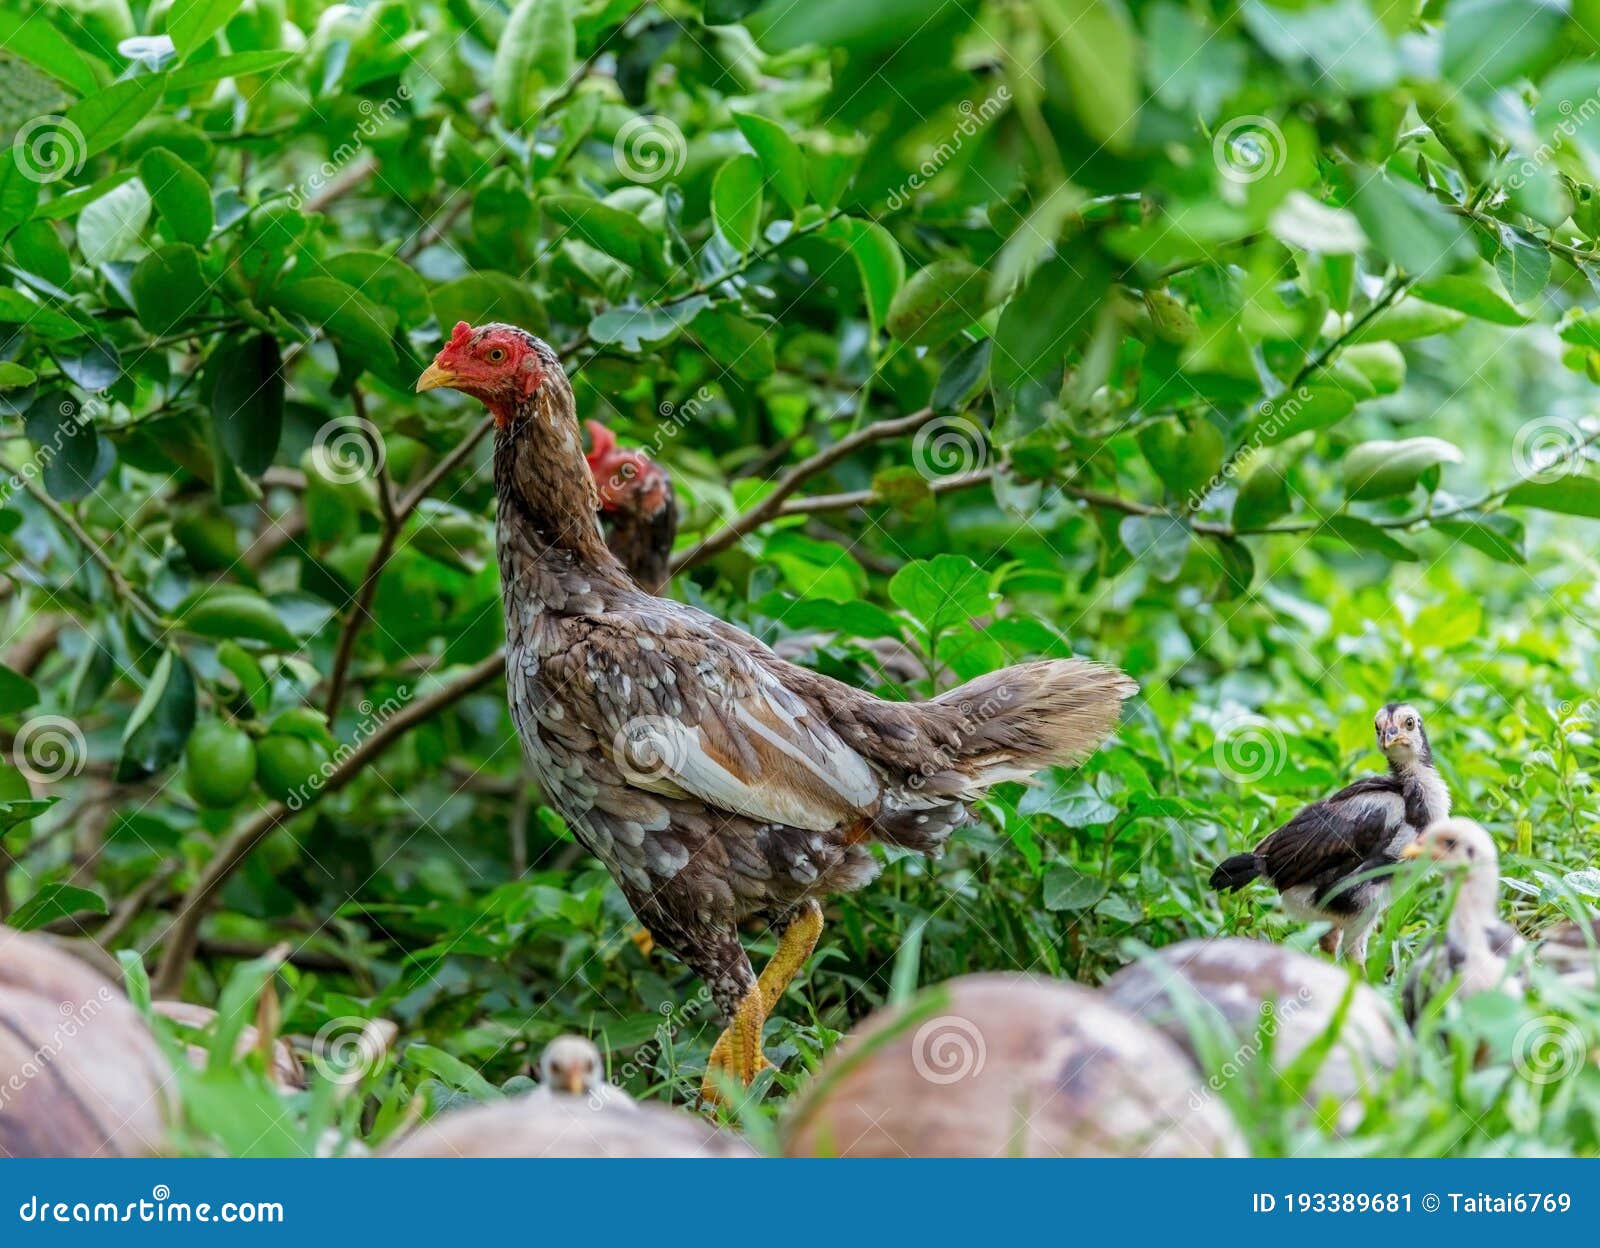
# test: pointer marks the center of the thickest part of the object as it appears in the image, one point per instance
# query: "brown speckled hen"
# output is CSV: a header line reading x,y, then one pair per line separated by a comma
x,y
717,782
638,510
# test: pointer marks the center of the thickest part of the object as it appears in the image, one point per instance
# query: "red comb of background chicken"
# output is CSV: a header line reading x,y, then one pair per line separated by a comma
x,y
615,471
460,334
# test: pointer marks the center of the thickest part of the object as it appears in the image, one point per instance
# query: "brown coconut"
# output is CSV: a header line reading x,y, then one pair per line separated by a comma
x,y
285,1069
1006,1065
80,1073
1253,992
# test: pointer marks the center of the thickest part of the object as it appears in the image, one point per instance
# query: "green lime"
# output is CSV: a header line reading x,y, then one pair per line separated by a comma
x,y
289,768
220,762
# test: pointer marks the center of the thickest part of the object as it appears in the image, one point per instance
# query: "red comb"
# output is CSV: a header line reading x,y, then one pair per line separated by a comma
x,y
463,331
601,440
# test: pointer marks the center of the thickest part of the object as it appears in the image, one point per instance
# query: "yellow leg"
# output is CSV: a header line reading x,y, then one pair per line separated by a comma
x,y
738,1049
795,947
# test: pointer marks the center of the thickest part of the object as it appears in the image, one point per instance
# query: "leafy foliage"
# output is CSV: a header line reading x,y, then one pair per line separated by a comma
x,y
1248,347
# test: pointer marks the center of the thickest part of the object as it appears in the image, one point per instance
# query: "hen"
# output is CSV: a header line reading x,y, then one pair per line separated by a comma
x,y
717,782
638,509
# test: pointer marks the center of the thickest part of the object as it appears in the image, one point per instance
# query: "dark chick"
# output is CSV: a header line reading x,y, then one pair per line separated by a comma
x,y
638,510
717,782
1332,861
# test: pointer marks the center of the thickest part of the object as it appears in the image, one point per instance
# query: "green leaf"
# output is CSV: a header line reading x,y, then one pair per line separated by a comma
x,y
1381,469
535,52
941,591
483,297
247,400
962,376
619,234
343,312
634,327
181,195
780,156
736,201
1052,315
19,190
104,117
939,300
878,259
1293,413
232,611
17,692
17,309
1489,42
160,724
1408,320
743,346
1496,534
1098,52
1186,456
1468,295
1262,498
237,65
1364,535
14,376
391,283
191,22
1068,889
1160,542
168,287
1570,496
56,901
1409,226
1523,266
452,1072
74,458
1314,226
109,228
236,1008
35,40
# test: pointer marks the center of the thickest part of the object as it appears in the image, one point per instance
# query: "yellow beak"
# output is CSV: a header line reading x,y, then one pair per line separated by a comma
x,y
1413,850
434,378
572,1080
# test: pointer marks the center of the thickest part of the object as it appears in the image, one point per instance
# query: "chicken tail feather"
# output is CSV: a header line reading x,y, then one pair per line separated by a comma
x,y
1022,719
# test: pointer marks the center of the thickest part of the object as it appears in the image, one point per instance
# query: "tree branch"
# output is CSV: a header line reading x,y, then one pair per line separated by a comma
x,y
770,506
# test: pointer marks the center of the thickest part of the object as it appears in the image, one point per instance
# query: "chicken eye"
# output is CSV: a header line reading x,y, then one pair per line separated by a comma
x,y
496,355
1412,722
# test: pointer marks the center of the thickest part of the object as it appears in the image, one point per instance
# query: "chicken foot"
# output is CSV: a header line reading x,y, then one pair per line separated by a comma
x,y
738,1049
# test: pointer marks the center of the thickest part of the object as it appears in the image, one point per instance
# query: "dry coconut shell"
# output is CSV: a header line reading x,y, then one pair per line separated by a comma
x,y
285,1069
567,1126
80,1073
1005,1065
1231,980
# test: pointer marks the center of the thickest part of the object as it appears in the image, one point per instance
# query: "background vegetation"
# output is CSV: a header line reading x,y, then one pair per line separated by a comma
x,y
1250,347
